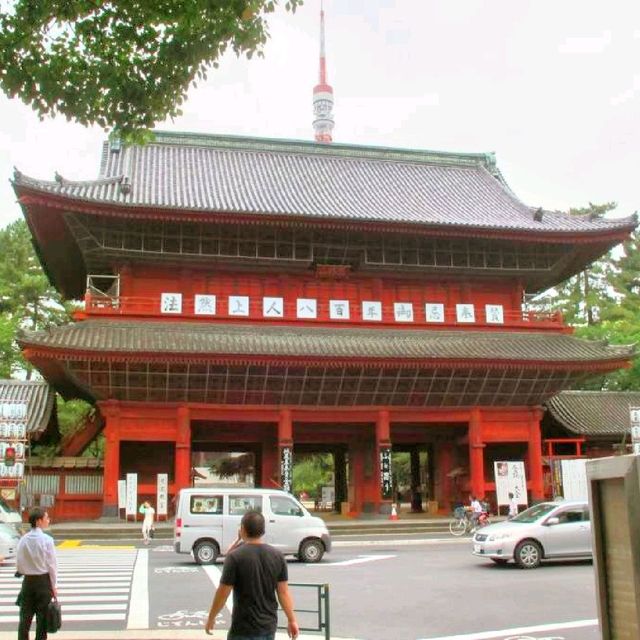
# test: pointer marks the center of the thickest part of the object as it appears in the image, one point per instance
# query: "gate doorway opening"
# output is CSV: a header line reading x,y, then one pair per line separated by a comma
x,y
223,467
320,476
412,473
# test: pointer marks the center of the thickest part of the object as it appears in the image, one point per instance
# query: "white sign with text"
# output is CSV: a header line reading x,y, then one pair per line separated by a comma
x,y
510,478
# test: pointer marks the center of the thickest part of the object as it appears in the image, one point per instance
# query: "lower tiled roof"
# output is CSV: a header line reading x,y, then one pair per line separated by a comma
x,y
594,413
40,399
186,339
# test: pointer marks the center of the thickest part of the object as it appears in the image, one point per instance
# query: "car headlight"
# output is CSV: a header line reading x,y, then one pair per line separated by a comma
x,y
499,536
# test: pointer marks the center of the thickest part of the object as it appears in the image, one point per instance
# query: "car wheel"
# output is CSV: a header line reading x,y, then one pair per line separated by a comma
x,y
206,552
500,561
311,551
528,554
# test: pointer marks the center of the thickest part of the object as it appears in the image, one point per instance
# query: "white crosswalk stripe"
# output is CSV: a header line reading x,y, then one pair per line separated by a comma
x,y
93,585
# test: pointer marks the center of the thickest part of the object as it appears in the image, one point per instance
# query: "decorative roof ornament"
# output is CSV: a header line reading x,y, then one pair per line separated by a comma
x,y
323,95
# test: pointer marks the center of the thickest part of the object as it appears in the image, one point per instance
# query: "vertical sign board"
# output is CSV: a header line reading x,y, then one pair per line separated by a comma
x,y
163,489
574,480
132,495
122,494
634,419
386,489
510,478
286,468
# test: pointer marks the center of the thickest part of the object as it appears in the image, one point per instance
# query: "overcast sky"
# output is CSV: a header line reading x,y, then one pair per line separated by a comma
x,y
551,86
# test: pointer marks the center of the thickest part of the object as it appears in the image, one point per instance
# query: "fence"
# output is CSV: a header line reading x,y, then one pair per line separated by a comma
x,y
314,612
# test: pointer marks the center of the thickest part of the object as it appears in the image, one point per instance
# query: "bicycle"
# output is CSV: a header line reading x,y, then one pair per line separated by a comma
x,y
464,522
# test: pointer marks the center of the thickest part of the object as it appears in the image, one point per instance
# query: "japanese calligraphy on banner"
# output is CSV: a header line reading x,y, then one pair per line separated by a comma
x,y
634,419
122,494
386,488
286,468
163,491
510,478
131,508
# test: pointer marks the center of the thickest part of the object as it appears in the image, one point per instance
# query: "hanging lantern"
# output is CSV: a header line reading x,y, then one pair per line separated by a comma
x,y
10,456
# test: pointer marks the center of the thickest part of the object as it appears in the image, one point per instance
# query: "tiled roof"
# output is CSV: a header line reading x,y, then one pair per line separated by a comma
x,y
40,399
197,339
256,176
594,413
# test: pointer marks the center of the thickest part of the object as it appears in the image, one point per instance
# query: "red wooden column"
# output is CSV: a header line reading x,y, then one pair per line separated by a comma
x,y
535,456
382,468
285,449
111,412
476,454
183,449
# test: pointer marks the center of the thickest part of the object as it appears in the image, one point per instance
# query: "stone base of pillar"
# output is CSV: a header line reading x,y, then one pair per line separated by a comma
x,y
385,508
110,511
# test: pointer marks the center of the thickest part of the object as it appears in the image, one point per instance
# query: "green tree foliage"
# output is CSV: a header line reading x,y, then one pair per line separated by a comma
x,y
124,65
603,303
311,472
27,300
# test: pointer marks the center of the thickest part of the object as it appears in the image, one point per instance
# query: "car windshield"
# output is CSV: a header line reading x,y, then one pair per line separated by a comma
x,y
534,513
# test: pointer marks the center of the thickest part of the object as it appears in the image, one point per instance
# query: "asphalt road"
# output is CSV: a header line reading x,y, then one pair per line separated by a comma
x,y
399,590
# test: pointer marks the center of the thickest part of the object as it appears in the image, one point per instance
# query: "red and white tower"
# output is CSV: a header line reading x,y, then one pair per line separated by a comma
x,y
323,95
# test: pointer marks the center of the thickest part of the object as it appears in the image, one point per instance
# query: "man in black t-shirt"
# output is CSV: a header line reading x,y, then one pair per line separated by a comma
x,y
256,572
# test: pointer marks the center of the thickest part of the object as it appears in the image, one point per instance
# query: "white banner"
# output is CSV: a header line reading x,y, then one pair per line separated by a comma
x,y
574,480
122,494
163,489
510,478
132,494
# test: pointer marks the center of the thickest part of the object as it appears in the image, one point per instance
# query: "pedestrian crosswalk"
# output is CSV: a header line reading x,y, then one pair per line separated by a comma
x,y
93,585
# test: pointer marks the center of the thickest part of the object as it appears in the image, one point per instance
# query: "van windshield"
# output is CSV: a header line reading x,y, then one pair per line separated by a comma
x,y
5,506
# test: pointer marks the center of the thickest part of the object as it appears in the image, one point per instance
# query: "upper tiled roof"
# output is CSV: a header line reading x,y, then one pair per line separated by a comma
x,y
249,341
40,399
594,413
314,181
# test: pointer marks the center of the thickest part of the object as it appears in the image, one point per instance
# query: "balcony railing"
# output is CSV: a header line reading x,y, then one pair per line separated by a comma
x,y
288,313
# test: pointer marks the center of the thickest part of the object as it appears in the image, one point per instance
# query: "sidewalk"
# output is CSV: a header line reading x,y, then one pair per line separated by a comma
x,y
152,634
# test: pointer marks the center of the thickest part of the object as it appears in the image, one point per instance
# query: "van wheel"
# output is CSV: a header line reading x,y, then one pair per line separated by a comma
x,y
311,551
206,552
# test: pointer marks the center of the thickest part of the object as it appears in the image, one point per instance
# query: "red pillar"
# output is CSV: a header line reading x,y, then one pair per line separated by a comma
x,y
383,442
111,412
476,454
535,456
356,477
183,449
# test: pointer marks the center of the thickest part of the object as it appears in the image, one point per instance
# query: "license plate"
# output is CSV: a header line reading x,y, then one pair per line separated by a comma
x,y
477,548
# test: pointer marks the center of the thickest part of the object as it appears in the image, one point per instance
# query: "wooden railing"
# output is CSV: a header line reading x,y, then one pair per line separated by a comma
x,y
150,307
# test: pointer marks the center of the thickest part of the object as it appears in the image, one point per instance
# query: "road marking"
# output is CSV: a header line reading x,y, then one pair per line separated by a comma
x,y
398,543
488,635
139,605
358,560
69,544
214,574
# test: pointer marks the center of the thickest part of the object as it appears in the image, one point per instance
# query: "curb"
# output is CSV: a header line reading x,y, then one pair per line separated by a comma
x,y
156,634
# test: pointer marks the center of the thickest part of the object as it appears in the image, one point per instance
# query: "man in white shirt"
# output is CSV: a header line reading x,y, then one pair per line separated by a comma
x,y
476,509
36,561
513,506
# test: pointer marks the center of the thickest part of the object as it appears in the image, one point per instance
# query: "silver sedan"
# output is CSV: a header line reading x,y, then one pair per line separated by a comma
x,y
560,529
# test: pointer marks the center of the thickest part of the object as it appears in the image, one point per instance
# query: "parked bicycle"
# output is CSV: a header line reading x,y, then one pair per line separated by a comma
x,y
464,522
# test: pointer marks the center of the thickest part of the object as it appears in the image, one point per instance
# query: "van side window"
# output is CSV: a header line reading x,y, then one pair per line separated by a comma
x,y
239,505
206,504
283,506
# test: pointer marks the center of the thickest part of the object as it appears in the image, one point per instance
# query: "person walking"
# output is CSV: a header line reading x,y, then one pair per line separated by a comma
x,y
36,561
256,572
513,506
147,523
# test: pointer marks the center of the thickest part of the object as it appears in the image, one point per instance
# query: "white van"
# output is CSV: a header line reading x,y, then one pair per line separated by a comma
x,y
9,514
207,523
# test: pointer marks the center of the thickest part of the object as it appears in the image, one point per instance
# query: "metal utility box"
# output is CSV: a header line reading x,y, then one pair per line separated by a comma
x,y
614,495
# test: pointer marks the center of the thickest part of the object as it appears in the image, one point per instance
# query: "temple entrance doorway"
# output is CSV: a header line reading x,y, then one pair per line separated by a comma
x,y
412,472
221,466
320,475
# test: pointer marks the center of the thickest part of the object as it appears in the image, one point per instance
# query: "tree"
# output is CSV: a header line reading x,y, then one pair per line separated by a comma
x,y
27,299
123,65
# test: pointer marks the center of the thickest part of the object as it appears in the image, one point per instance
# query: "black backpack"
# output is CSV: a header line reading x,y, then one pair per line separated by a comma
x,y
54,616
